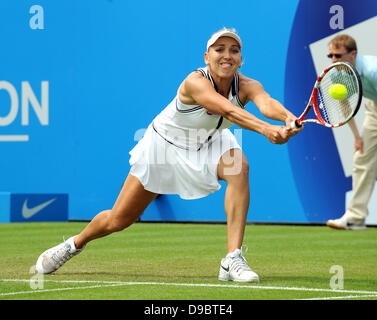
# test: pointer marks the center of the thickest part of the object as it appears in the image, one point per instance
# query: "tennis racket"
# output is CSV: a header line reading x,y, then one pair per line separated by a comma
x,y
329,111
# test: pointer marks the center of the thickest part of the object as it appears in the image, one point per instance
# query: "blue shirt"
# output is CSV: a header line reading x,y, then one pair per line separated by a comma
x,y
367,68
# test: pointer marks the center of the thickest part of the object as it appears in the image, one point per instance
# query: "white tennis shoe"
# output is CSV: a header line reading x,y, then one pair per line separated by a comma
x,y
53,258
234,267
344,223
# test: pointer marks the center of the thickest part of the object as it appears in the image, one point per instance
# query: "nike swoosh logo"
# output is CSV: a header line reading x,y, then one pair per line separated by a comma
x,y
29,212
226,269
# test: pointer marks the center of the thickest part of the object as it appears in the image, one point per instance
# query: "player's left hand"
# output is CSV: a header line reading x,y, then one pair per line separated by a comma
x,y
291,131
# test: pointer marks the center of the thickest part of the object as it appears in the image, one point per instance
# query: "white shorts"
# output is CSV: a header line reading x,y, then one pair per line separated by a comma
x,y
163,168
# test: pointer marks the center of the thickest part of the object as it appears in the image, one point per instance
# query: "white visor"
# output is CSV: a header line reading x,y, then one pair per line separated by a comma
x,y
223,33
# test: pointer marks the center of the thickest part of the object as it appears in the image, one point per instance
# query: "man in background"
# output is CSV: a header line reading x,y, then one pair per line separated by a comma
x,y
364,172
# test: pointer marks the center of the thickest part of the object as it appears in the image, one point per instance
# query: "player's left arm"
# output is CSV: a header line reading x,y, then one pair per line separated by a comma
x,y
252,90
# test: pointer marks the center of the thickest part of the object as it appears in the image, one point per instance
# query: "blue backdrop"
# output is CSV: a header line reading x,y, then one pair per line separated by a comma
x,y
88,76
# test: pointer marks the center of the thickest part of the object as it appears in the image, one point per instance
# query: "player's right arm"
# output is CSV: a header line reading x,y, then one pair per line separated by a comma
x,y
198,90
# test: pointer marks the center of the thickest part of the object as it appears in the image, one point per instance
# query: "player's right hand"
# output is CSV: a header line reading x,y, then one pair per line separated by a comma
x,y
277,134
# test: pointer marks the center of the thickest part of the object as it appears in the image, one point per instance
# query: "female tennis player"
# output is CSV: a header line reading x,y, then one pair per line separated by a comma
x,y
187,149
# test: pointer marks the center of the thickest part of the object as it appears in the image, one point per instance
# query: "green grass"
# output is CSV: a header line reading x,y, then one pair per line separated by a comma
x,y
154,257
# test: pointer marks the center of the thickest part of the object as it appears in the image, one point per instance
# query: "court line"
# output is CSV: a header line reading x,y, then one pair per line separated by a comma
x,y
58,289
341,297
122,283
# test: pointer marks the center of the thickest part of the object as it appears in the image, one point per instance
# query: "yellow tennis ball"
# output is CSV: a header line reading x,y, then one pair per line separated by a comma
x,y
338,91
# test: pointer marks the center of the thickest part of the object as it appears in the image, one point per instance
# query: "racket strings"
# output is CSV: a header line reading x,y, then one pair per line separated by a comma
x,y
335,111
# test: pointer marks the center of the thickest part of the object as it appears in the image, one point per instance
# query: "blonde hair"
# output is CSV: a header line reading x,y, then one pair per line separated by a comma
x,y
344,40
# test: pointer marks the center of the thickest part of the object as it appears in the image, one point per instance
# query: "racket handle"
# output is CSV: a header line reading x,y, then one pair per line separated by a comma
x,y
295,124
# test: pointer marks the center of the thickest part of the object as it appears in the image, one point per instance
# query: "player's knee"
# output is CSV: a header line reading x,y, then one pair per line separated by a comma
x,y
117,224
240,174
244,169
236,172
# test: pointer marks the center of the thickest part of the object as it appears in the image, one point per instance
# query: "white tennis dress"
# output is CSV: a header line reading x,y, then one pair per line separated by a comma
x,y
181,148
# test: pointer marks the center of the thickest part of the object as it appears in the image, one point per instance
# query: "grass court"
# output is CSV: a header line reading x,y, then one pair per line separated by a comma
x,y
173,261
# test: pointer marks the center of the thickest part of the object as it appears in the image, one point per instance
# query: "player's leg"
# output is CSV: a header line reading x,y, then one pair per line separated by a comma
x,y
234,169
131,202
133,199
